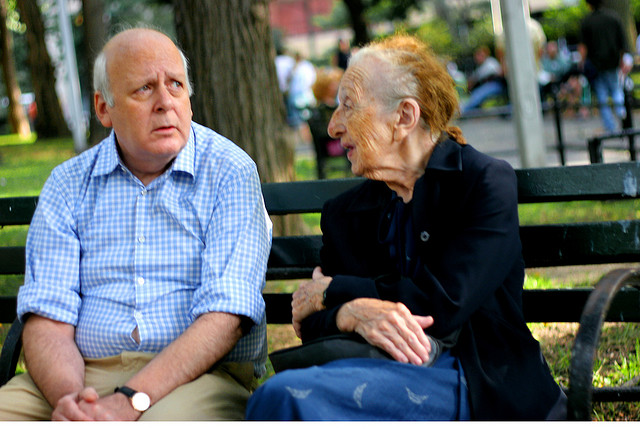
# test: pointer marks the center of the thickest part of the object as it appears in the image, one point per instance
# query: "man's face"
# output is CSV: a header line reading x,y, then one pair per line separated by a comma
x,y
152,114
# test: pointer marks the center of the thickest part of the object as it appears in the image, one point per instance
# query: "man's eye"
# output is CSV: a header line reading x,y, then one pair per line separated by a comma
x,y
177,84
144,88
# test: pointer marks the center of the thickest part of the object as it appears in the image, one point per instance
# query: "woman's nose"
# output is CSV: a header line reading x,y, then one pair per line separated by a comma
x,y
334,128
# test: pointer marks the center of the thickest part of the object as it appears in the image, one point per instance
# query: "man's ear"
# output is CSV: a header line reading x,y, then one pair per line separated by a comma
x,y
101,109
408,117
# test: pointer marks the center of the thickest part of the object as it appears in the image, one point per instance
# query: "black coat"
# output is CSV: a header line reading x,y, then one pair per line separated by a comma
x,y
470,276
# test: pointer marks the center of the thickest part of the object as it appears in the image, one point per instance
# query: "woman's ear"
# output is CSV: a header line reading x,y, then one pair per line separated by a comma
x,y
408,118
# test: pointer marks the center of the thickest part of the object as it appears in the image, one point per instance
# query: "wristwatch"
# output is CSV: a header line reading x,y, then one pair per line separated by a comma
x,y
139,400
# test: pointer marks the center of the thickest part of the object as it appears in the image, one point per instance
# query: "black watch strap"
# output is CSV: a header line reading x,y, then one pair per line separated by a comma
x,y
139,400
125,390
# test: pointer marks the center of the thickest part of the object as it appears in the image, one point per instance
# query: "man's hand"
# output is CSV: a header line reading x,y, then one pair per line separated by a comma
x,y
68,407
388,325
88,406
308,298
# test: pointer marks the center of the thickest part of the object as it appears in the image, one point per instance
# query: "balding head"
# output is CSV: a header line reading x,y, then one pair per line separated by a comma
x,y
126,43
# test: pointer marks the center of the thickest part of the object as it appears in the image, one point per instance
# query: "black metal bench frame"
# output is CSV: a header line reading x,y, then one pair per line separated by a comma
x,y
615,298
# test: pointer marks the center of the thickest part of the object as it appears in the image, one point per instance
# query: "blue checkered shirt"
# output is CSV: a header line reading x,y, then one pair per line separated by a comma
x,y
107,254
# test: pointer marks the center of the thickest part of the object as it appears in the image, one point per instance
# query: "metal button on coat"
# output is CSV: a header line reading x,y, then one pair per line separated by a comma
x,y
424,236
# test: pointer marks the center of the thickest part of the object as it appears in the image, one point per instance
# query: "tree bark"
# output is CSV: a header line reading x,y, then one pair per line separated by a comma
x,y
356,13
623,9
232,66
94,38
50,121
17,118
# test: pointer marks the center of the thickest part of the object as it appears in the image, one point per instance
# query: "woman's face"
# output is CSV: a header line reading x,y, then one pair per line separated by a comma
x,y
360,123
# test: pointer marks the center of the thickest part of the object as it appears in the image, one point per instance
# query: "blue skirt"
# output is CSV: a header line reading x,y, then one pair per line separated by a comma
x,y
363,390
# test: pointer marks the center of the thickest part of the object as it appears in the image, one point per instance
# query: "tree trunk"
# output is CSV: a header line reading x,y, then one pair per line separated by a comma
x,y
17,118
94,38
356,13
232,59
50,121
623,9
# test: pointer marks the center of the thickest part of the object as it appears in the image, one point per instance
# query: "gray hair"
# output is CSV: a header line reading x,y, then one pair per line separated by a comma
x,y
400,81
101,78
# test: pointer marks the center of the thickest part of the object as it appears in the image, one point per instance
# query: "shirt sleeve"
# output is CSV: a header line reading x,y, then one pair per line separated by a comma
x,y
52,284
238,241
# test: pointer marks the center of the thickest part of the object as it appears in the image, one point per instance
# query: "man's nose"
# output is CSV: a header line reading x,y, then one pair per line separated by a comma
x,y
164,99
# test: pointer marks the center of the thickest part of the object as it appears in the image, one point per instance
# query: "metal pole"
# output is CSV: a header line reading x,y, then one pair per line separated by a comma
x,y
557,115
78,126
524,93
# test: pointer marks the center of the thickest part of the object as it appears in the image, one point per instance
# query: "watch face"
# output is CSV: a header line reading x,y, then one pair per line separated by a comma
x,y
140,401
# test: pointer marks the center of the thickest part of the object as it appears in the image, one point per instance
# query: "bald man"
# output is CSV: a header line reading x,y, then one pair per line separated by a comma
x,y
146,259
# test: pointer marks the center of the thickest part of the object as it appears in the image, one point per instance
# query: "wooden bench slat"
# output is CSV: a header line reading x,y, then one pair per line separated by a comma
x,y
571,183
539,305
581,243
8,308
17,211
303,196
543,246
11,260
551,305
568,183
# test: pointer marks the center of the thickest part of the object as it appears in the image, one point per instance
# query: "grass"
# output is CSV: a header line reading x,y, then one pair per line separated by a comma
x,y
24,167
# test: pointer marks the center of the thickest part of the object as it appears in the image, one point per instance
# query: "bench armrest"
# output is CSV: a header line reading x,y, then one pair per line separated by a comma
x,y
10,352
584,349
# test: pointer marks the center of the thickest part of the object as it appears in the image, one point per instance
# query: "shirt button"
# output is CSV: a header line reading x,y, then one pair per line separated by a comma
x,y
137,315
424,236
140,281
143,192
141,239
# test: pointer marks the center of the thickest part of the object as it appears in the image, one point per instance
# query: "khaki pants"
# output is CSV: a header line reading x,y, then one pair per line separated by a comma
x,y
221,394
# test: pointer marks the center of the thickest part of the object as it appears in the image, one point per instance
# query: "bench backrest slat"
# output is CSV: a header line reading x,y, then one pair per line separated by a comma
x,y
568,183
553,305
17,211
587,182
294,257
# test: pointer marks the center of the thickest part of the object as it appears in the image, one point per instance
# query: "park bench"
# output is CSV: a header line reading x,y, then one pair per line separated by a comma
x,y
615,298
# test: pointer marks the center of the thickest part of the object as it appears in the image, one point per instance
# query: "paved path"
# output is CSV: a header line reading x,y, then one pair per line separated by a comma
x,y
497,136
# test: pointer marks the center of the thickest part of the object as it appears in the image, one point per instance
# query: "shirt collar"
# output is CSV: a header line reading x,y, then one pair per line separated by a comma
x,y
109,160
446,156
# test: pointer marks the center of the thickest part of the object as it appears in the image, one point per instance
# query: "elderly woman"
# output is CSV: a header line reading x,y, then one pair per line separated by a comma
x,y
428,247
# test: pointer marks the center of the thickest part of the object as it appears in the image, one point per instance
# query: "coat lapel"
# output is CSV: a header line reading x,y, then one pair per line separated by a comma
x,y
445,163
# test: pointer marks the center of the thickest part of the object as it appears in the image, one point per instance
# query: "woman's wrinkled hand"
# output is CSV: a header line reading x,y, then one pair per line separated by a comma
x,y
390,326
308,298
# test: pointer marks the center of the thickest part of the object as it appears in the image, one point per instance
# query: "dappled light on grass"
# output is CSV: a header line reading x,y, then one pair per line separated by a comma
x,y
15,139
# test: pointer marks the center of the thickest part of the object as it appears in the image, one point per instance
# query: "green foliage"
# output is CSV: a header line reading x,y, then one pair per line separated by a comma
x,y
635,9
436,34
390,10
481,34
13,18
564,22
